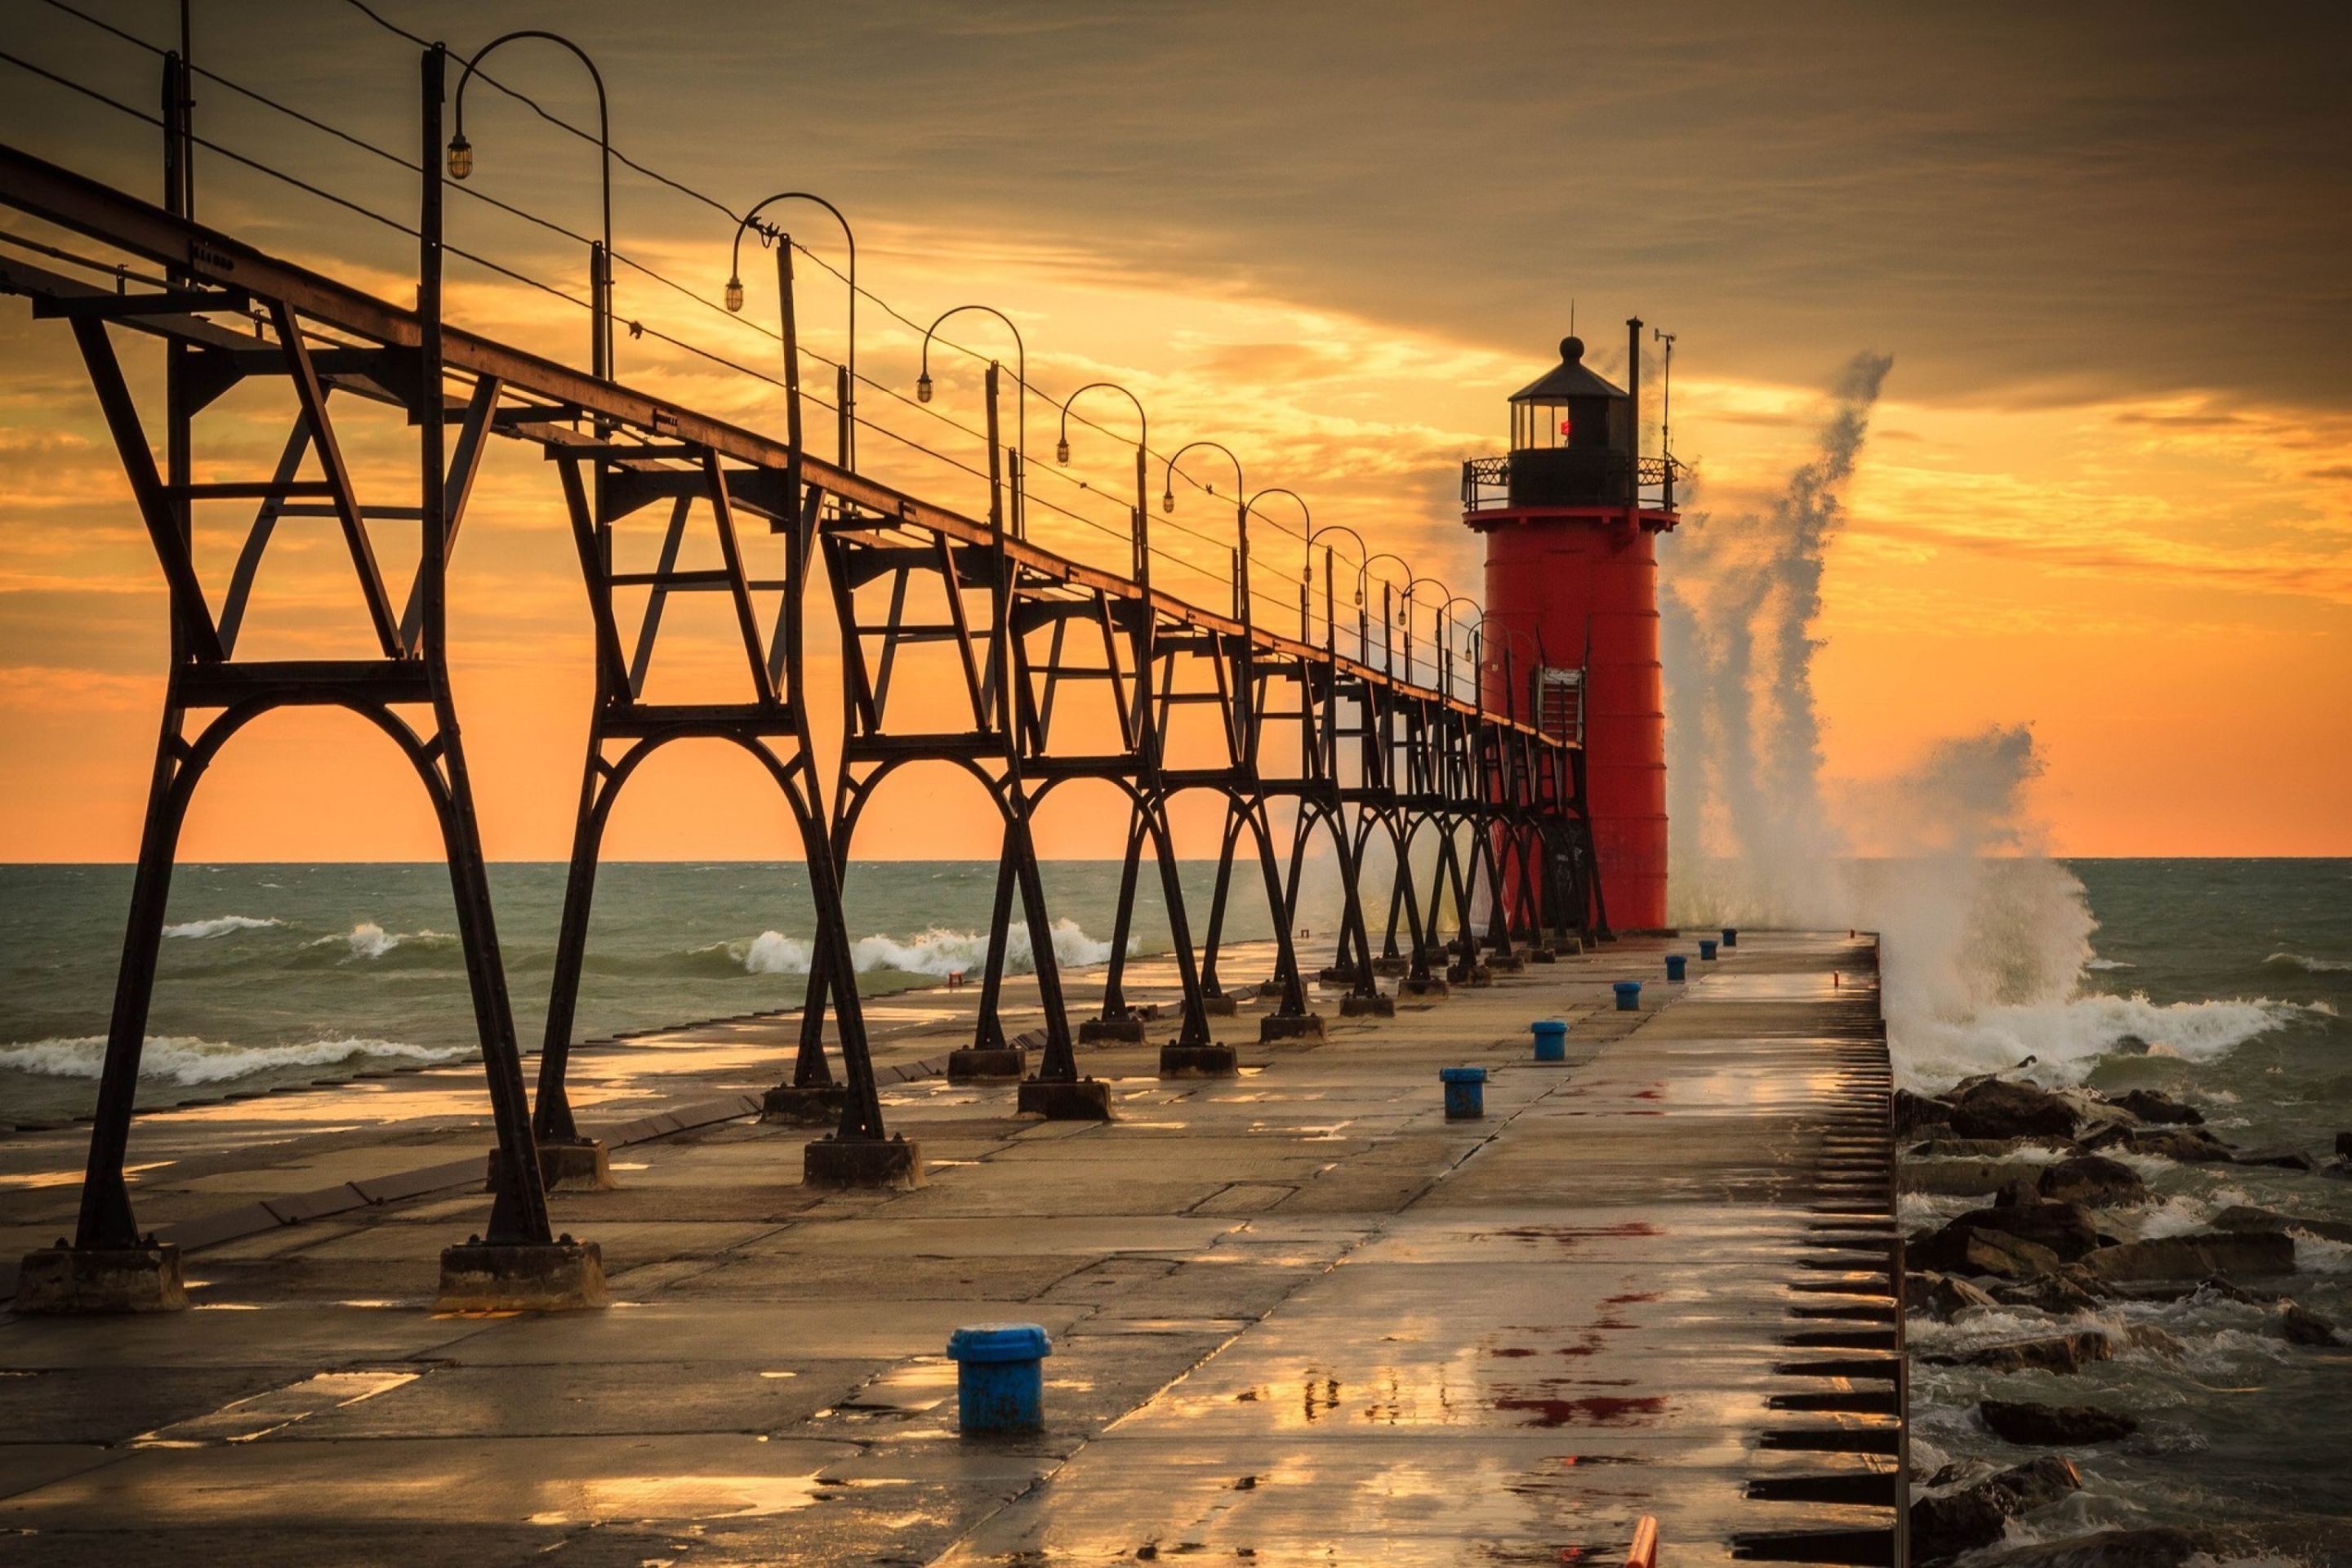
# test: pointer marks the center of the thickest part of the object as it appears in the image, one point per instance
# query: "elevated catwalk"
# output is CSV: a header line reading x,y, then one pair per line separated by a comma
x,y
1296,1316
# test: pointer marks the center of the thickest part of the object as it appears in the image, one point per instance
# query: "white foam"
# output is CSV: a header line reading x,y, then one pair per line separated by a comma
x,y
369,939
2067,1038
937,951
2104,964
188,1061
220,925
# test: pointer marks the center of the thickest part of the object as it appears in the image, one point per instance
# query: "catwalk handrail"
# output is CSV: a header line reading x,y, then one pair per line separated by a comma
x,y
98,211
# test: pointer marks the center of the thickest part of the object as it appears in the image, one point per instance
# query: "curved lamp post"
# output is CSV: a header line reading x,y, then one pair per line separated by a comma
x,y
1241,520
1387,609
600,260
1305,512
1019,404
847,401
1330,586
1446,668
1139,530
1409,594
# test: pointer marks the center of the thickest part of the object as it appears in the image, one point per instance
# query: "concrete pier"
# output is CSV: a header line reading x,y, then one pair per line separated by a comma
x,y
1297,1314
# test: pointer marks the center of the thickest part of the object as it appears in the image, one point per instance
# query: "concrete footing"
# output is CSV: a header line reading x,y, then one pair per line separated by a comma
x,y
1474,974
64,1281
862,1163
1115,1031
1430,990
1507,963
1275,1026
974,1065
563,1276
1393,967
809,1105
1221,1006
1337,974
568,1165
1542,955
1269,989
1087,1099
1197,1061
1376,1005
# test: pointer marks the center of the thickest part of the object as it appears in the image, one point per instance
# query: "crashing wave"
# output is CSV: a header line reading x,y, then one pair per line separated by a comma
x,y
369,939
220,925
188,1061
2311,965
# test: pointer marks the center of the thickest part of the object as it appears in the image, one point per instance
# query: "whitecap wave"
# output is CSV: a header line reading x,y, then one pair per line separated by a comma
x,y
369,939
2067,1039
936,952
189,1062
2311,965
220,925
2104,964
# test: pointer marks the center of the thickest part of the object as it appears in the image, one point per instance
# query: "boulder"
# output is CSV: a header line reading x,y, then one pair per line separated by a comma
x,y
2340,1169
2194,1257
2037,1483
2064,1228
2004,1256
2054,1425
2055,1292
2160,1547
2060,1353
2185,1148
1944,1527
2128,1046
2093,1179
1940,1296
1962,1178
1995,1108
2282,1156
1913,1111
2303,1326
2149,1105
2344,1145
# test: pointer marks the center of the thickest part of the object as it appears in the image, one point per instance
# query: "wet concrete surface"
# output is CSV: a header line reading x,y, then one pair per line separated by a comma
x,y
1298,1316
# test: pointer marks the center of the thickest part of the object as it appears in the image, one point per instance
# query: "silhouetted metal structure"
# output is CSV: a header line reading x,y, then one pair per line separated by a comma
x,y
1352,750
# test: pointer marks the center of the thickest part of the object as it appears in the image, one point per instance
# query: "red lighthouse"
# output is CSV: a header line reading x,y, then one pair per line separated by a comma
x,y
1571,518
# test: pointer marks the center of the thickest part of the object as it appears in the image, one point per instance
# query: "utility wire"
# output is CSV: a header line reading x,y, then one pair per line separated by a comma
x,y
637,329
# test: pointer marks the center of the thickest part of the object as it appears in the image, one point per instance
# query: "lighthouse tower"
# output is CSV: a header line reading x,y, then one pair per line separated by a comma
x,y
1572,516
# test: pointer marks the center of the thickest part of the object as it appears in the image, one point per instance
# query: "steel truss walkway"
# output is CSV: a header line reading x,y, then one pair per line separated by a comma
x,y
1363,756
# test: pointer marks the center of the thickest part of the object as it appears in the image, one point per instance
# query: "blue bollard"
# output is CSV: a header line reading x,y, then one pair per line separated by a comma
x,y
1675,961
1465,1092
1551,1040
1629,996
1731,936
1000,1376
1707,950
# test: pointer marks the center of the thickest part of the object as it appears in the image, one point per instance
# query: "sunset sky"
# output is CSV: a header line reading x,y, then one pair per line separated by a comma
x,y
2107,490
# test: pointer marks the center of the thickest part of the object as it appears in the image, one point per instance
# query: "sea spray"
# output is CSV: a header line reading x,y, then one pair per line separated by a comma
x,y
1983,937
